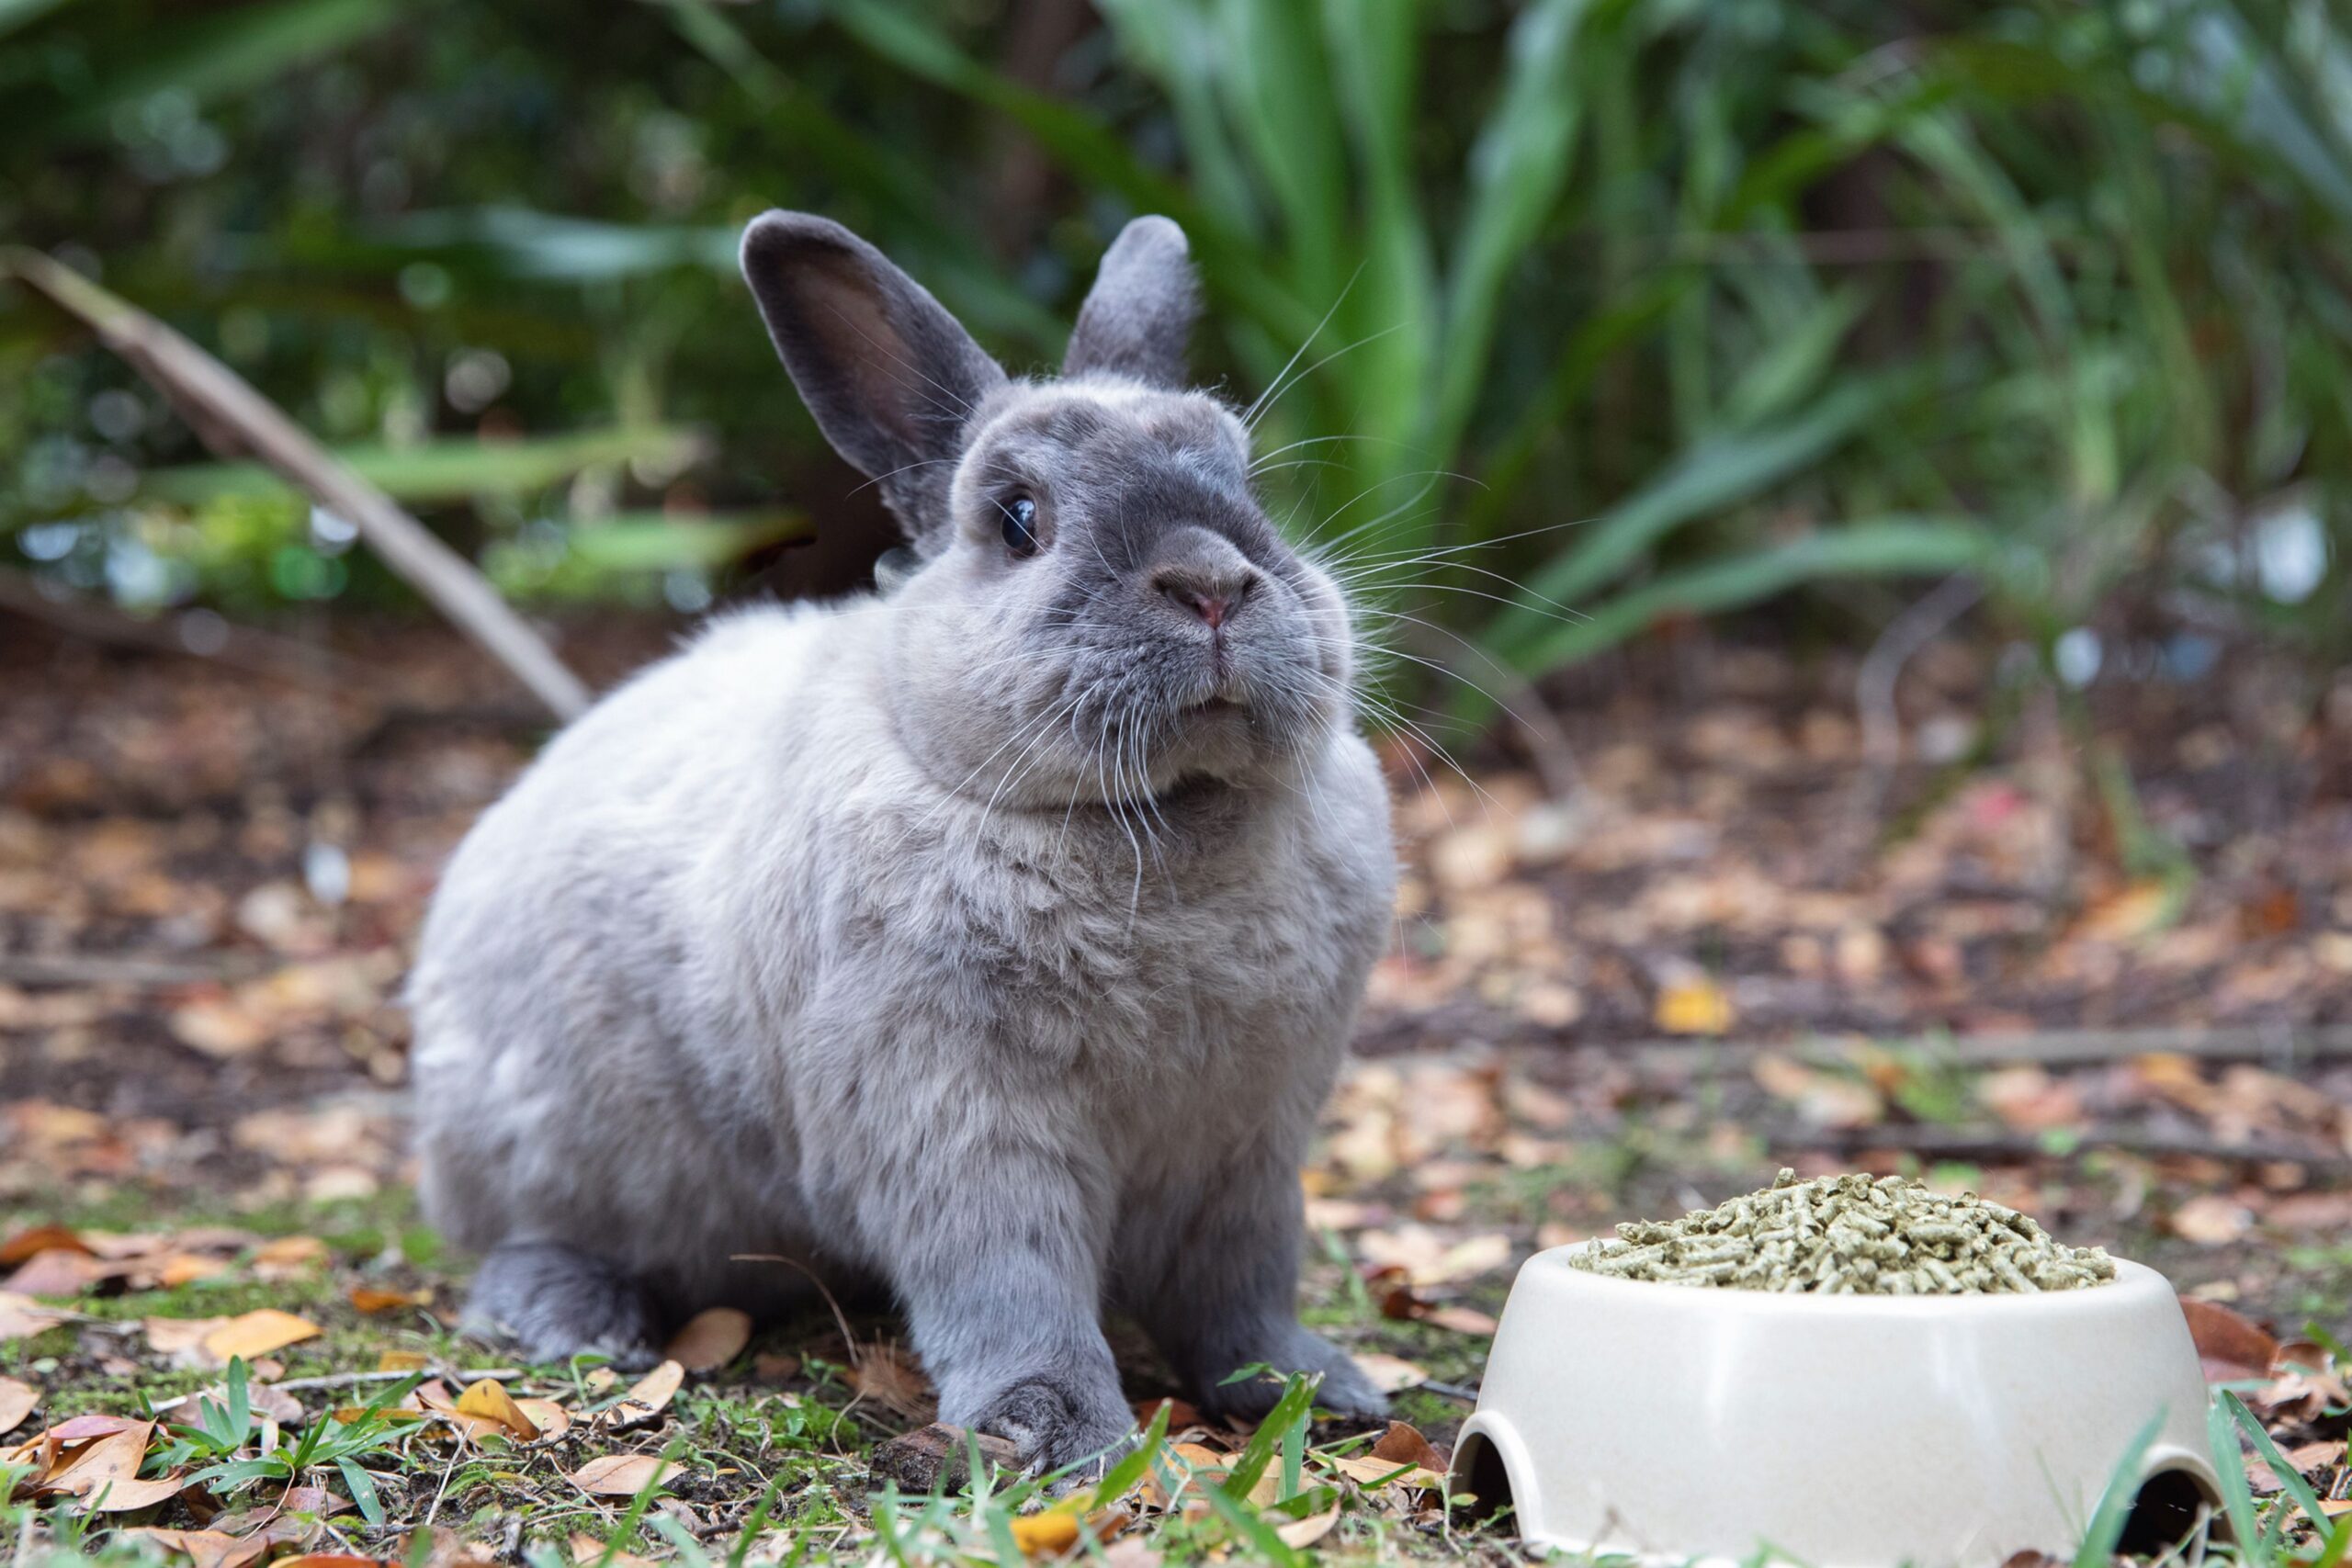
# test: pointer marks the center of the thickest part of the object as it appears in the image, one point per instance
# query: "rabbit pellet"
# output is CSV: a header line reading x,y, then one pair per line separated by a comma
x,y
1850,1236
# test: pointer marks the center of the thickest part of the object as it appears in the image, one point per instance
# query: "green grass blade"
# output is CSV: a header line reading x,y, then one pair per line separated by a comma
x,y
2237,1497
1717,473
1894,547
1518,166
1245,1520
210,57
1296,1404
2290,1480
1131,1470
2105,1530
449,469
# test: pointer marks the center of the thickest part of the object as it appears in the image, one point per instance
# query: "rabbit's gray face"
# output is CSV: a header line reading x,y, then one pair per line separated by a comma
x,y
1103,612
1113,614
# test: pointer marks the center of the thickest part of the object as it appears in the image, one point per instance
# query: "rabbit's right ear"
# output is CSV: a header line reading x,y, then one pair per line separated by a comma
x,y
892,379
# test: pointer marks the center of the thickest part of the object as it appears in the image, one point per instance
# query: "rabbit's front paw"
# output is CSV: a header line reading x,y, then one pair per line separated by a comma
x,y
1057,1421
1345,1391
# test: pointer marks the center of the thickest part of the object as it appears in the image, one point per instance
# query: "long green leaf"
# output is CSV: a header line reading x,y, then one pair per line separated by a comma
x,y
1717,473
449,469
1517,169
1897,547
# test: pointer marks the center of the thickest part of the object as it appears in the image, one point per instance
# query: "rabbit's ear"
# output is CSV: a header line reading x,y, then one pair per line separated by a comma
x,y
1140,310
892,379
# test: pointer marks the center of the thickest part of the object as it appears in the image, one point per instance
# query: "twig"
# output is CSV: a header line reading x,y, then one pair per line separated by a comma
x,y
122,969
1874,686
239,647
346,1380
1958,1143
231,417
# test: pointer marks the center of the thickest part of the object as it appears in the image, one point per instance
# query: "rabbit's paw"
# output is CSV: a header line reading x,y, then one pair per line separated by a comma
x,y
1345,1391
551,1301
1053,1421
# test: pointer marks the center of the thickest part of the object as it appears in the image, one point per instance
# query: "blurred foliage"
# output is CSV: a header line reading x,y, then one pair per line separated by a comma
x,y
1563,317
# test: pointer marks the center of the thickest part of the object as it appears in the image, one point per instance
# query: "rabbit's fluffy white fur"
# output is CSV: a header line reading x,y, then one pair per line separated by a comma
x,y
994,942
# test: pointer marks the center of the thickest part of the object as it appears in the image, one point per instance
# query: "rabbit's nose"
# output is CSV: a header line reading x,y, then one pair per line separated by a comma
x,y
1213,596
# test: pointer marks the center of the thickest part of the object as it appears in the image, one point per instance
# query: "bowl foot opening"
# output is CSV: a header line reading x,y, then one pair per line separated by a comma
x,y
2172,1507
1483,1474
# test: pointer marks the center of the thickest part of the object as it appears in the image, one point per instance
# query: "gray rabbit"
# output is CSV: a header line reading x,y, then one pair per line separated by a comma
x,y
994,941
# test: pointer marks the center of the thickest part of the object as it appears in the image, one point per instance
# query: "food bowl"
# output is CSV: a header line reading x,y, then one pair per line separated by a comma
x,y
1677,1423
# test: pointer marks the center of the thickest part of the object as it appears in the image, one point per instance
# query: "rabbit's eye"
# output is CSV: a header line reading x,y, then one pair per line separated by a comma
x,y
1020,524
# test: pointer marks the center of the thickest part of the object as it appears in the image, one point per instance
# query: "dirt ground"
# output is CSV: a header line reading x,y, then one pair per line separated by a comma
x,y
1708,918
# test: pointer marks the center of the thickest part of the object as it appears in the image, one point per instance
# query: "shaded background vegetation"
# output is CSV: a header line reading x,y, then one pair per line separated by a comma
x,y
1607,312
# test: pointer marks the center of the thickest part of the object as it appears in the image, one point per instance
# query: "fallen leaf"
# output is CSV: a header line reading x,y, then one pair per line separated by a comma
x,y
1693,1007
489,1400
289,1255
885,1376
1310,1529
207,1548
374,1301
1181,1413
2229,1337
16,1402
36,1239
711,1339
648,1397
258,1332
21,1317
775,1365
552,1420
2136,911
1390,1374
1462,1319
2209,1219
405,1362
1366,1470
58,1271
587,1548
181,1337
105,1475
620,1475
1046,1534
82,1429
1403,1443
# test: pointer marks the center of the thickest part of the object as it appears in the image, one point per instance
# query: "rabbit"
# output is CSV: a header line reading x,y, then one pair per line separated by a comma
x,y
991,940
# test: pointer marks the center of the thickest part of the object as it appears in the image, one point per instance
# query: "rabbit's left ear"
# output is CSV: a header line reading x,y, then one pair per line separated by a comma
x,y
1141,309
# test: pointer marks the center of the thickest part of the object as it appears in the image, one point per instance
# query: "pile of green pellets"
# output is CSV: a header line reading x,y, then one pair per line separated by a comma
x,y
1850,1236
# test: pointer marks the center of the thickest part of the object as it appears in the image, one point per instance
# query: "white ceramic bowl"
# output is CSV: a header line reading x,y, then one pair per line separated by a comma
x,y
1677,1423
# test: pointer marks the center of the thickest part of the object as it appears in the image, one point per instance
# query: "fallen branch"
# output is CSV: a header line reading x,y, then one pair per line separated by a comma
x,y
231,419
1995,1148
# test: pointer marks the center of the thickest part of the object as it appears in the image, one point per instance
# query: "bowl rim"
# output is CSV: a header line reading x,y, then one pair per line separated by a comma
x,y
2133,1281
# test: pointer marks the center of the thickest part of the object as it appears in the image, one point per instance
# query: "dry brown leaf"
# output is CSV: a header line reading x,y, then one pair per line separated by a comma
x,y
258,1332
82,1429
1693,1007
105,1475
181,1337
289,1255
403,1361
1366,1470
711,1339
1046,1535
620,1475
775,1365
587,1548
207,1548
1310,1529
884,1375
649,1396
58,1271
1403,1443
17,1401
1390,1374
25,1244
489,1400
21,1316
373,1302
552,1420
2228,1338
1462,1319
2209,1219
